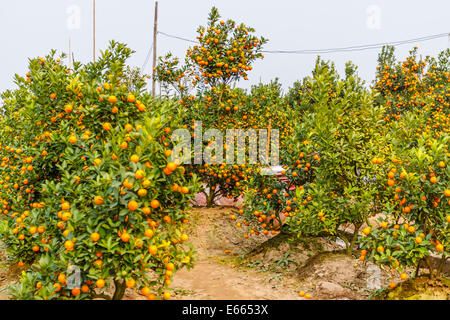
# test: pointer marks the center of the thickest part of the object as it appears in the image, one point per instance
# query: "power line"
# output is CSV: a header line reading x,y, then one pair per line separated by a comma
x,y
147,58
177,37
338,49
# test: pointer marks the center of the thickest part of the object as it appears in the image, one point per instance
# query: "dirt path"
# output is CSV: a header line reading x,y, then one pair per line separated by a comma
x,y
212,280
216,274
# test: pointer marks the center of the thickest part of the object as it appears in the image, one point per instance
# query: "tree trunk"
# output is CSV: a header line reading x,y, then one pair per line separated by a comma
x,y
430,267
120,290
354,237
210,199
441,266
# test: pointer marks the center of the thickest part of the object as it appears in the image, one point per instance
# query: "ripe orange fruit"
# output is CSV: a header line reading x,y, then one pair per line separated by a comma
x,y
106,126
440,247
403,276
112,99
154,204
134,158
366,231
142,192
391,182
100,283
75,292
65,206
73,139
148,233
447,192
153,249
145,291
171,166
166,295
98,200
62,278
133,205
139,174
53,96
185,190
95,236
68,245
301,293
418,240
433,179
125,237
84,289
392,285
130,283
146,210
131,98
68,108
170,266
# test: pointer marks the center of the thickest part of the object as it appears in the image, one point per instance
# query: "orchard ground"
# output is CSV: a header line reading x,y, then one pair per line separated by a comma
x,y
230,267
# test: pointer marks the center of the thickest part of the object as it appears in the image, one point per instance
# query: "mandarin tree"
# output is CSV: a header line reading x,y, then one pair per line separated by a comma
x,y
109,209
203,85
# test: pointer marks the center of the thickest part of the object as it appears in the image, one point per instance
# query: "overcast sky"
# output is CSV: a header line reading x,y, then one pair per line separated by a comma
x,y
30,28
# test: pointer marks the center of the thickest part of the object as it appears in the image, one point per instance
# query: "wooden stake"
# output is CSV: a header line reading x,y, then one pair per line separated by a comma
x,y
93,30
155,32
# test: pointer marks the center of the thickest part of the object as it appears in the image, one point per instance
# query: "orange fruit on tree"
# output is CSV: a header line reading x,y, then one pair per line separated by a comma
x,y
69,245
166,295
75,292
68,108
98,200
100,283
153,249
62,278
134,158
95,236
366,231
133,205
145,291
130,283
171,166
154,204
131,98
139,174
148,233
125,237
65,206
